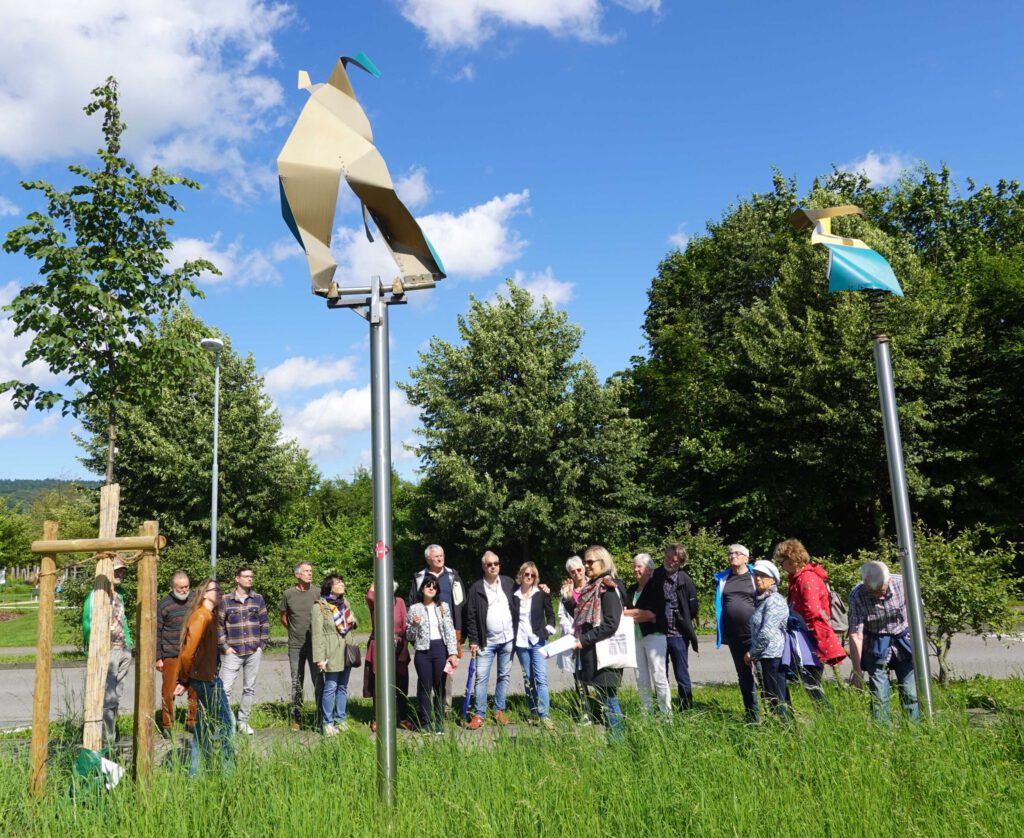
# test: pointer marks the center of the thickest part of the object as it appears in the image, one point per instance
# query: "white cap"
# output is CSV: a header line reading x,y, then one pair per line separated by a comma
x,y
766,568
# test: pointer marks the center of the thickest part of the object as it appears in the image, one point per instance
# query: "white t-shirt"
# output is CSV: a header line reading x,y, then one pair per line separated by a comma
x,y
499,615
434,622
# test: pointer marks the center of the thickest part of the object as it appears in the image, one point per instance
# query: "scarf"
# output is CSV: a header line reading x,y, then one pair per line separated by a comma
x,y
588,607
341,613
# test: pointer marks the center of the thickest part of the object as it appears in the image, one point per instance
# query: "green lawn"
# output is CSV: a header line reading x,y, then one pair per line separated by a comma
x,y
708,773
22,631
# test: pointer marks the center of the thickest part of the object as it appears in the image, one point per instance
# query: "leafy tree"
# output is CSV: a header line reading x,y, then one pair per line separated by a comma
x,y
524,450
166,450
103,249
966,584
14,536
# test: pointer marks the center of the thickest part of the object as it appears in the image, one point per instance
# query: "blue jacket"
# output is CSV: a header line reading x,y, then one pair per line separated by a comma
x,y
719,587
768,625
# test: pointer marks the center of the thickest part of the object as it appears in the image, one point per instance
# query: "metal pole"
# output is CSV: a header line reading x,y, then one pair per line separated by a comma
x,y
216,424
901,512
383,571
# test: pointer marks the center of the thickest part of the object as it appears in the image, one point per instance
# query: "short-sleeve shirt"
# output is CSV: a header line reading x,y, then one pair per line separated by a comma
x,y
298,605
739,600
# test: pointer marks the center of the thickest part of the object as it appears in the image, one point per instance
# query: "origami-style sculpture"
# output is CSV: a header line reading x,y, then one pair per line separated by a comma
x,y
852,265
331,137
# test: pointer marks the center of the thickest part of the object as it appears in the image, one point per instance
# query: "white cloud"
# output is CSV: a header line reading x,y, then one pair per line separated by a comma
x,y
192,91
12,353
473,244
413,188
544,284
469,23
465,73
8,207
237,265
304,373
881,169
323,424
680,238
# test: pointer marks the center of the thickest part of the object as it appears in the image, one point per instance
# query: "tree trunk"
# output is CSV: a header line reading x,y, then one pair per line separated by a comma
x,y
111,440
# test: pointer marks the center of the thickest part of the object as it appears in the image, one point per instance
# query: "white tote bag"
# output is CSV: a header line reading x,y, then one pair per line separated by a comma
x,y
619,650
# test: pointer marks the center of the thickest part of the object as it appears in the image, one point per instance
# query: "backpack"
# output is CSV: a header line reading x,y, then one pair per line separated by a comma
x,y
840,619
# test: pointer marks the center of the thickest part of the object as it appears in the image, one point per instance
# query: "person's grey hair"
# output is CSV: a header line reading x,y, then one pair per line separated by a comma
x,y
572,563
483,558
303,563
179,574
739,548
426,553
646,559
874,575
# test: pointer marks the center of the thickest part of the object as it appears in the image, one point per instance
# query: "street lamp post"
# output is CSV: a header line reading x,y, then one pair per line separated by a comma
x,y
214,345
853,266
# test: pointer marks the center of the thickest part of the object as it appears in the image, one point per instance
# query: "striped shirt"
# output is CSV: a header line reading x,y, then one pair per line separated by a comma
x,y
242,623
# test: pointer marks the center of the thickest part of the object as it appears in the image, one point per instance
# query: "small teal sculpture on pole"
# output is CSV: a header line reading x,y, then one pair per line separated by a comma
x,y
853,266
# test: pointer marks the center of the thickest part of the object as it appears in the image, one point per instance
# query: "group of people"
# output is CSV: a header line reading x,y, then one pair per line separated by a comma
x,y
207,638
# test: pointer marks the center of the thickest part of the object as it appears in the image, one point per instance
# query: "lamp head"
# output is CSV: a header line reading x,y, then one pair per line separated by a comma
x,y
214,345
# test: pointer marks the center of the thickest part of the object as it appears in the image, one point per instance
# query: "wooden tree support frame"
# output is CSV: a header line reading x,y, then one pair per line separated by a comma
x,y
50,549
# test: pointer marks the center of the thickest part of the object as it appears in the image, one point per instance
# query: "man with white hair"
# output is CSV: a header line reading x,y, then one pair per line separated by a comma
x,y
735,601
490,629
880,639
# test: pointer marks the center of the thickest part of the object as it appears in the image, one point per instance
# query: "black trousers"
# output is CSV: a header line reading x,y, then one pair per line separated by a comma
x,y
430,689
776,691
738,647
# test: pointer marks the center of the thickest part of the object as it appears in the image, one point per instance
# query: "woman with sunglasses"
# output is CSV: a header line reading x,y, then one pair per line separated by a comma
x,y
596,617
533,620
197,668
432,633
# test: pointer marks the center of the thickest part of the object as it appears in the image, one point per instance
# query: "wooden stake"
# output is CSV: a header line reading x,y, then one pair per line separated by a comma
x,y
96,545
99,636
44,649
145,662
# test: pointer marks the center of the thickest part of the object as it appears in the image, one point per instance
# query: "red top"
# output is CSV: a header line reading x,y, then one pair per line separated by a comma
x,y
809,597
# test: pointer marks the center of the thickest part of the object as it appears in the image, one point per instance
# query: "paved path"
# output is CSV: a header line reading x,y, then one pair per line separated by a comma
x,y
969,655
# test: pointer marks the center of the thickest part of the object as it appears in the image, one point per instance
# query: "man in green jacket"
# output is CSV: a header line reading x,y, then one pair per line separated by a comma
x,y
120,651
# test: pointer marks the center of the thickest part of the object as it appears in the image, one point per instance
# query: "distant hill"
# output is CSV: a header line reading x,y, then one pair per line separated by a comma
x,y
26,492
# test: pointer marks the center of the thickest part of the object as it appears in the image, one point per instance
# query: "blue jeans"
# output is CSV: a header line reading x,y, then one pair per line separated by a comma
x,y
776,690
335,697
679,654
878,684
535,678
484,657
214,723
613,721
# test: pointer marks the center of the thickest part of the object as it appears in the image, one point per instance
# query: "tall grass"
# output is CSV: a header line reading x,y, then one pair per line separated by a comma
x,y
707,773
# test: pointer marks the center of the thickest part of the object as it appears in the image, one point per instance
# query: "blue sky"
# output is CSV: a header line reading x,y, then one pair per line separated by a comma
x,y
568,143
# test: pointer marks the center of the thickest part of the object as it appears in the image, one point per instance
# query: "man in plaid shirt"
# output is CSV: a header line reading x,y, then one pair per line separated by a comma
x,y
880,639
243,632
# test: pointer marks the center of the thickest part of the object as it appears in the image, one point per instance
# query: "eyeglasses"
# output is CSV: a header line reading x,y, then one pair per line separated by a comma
x,y
529,576
492,564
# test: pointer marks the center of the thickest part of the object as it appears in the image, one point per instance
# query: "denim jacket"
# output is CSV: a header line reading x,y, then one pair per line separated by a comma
x,y
768,625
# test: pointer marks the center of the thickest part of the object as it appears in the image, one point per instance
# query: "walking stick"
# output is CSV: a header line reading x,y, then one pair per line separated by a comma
x,y
470,686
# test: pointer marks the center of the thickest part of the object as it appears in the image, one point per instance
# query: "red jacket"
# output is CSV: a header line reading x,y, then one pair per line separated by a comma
x,y
808,596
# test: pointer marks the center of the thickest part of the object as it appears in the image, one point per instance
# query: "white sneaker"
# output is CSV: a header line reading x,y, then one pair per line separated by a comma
x,y
330,730
243,727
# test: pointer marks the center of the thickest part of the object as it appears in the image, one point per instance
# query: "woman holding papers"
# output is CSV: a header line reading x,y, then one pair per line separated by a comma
x,y
532,622
596,617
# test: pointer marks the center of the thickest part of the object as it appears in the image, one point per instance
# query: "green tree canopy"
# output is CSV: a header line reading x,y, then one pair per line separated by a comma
x,y
759,389
165,449
103,248
524,450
